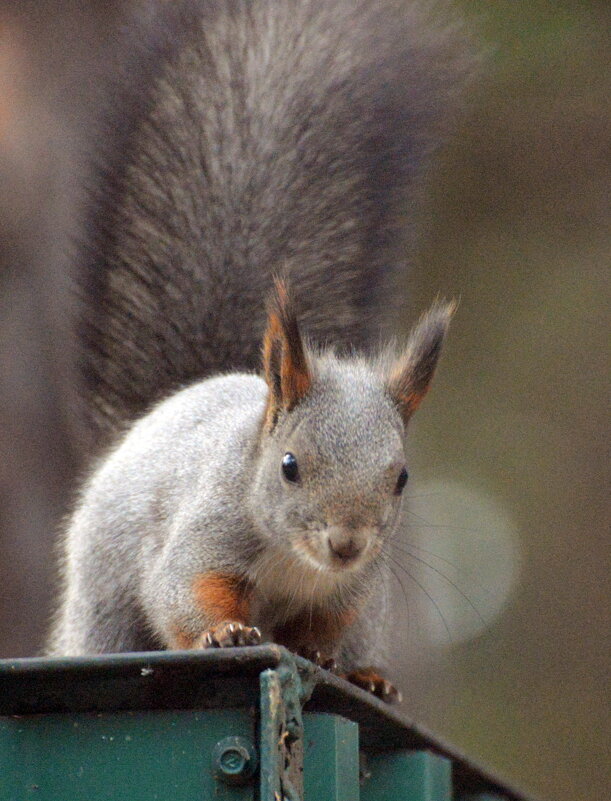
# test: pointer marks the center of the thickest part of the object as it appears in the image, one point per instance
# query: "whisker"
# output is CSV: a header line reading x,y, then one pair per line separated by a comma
x,y
469,574
297,591
314,585
443,576
405,596
424,590
265,568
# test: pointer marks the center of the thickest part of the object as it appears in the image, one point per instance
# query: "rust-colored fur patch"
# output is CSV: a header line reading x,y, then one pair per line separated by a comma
x,y
222,596
408,401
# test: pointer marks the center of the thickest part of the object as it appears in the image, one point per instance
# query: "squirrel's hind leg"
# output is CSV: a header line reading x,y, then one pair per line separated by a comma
x,y
371,681
86,626
363,654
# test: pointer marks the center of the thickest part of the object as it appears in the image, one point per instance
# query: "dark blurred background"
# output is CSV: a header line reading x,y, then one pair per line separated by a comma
x,y
504,641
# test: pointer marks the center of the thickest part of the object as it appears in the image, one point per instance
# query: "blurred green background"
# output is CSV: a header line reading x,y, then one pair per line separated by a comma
x,y
518,417
504,618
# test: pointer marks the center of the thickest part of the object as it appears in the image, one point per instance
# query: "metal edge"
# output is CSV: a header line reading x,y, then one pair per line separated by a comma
x,y
382,728
171,679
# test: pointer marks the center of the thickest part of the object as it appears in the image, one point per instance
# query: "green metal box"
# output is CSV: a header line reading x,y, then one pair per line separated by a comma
x,y
235,724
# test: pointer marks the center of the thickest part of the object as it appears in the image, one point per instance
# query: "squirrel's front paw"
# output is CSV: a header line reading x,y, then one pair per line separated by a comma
x,y
229,635
371,681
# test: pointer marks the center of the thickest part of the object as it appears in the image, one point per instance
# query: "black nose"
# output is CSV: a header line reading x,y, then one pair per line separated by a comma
x,y
344,549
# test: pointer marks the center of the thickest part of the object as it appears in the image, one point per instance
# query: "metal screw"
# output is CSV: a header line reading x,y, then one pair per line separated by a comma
x,y
235,760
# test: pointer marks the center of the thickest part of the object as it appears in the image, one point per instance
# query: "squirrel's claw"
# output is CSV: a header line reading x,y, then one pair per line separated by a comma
x,y
371,681
229,635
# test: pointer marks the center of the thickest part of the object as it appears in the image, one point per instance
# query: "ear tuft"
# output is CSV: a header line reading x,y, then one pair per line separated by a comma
x,y
286,364
413,371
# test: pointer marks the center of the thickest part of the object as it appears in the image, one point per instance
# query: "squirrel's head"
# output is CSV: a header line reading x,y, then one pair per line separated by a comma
x,y
331,466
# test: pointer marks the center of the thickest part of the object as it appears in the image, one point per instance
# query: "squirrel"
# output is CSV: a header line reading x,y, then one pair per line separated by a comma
x,y
255,167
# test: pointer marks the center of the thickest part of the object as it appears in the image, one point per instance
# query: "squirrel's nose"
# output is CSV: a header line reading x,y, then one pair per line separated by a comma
x,y
346,545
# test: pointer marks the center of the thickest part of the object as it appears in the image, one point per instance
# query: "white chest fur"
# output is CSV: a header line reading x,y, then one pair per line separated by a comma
x,y
285,584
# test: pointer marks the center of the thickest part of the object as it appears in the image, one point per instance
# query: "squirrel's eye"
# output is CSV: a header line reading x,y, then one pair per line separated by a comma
x,y
401,481
290,468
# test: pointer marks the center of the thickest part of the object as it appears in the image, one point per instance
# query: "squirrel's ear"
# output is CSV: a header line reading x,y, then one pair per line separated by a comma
x,y
411,374
287,369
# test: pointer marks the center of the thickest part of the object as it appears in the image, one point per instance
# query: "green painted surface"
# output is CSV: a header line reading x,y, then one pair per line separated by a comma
x,y
121,756
331,758
407,776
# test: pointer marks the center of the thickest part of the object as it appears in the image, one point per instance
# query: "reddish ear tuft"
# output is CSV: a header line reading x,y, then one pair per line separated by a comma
x,y
412,373
286,364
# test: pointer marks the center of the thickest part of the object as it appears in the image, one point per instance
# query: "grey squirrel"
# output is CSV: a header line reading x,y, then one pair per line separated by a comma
x,y
247,140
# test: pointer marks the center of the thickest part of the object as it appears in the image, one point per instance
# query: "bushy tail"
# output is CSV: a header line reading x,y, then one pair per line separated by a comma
x,y
250,138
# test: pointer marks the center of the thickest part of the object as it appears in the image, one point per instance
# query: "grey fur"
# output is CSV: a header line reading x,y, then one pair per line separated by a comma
x,y
196,487
270,136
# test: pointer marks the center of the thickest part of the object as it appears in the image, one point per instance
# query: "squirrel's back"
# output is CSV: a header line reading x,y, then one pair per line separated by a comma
x,y
248,138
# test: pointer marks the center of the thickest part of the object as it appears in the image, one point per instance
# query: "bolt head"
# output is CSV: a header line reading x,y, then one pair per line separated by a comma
x,y
235,760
